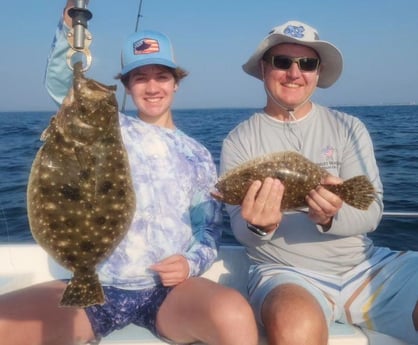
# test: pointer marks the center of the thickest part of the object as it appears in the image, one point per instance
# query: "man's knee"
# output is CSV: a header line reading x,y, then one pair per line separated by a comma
x,y
291,315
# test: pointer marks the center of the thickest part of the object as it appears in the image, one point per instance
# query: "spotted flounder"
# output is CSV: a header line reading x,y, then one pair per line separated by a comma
x,y
299,176
80,193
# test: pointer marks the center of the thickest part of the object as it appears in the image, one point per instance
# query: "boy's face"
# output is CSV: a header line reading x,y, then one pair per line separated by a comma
x,y
152,89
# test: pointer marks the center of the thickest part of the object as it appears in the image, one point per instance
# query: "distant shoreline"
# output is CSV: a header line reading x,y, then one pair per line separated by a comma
x,y
411,104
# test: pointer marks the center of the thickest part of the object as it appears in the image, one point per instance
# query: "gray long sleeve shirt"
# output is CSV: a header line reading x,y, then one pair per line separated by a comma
x,y
339,143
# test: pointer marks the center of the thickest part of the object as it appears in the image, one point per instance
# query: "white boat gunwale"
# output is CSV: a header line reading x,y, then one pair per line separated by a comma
x,y
27,264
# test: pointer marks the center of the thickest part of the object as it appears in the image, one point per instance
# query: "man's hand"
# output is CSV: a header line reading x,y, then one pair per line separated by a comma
x,y
323,204
261,204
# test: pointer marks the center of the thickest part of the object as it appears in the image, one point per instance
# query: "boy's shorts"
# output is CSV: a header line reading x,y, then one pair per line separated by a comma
x,y
123,307
379,294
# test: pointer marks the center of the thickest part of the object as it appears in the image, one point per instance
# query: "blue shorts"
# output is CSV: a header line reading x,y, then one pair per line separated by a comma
x,y
123,307
379,294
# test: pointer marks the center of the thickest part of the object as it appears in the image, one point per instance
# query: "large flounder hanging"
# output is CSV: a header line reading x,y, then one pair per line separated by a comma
x,y
299,176
80,194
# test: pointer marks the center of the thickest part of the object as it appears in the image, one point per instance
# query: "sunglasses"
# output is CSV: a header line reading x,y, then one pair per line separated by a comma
x,y
284,62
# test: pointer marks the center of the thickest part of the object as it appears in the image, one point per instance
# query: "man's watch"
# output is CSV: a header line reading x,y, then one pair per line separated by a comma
x,y
256,230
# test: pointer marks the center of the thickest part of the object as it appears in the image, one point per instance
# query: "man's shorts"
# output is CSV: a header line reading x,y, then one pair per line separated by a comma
x,y
379,294
123,307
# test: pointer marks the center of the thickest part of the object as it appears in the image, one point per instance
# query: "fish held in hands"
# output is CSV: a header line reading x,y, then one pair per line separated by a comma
x,y
299,176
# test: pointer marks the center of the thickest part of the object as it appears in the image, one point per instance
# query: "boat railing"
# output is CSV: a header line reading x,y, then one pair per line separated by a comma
x,y
395,214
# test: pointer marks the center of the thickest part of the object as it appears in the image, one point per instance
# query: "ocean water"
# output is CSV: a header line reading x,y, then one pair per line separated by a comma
x,y
393,129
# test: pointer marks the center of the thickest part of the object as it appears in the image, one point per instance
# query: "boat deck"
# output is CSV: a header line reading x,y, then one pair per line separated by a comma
x,y
17,271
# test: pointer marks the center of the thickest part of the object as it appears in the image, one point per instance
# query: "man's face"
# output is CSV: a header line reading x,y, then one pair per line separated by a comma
x,y
292,86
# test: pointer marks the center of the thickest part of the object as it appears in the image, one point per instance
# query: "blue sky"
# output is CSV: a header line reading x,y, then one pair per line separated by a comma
x,y
212,39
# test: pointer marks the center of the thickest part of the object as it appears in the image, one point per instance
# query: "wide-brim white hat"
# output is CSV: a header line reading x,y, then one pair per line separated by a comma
x,y
303,34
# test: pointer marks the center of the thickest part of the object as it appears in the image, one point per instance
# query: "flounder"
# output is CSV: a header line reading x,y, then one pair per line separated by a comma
x,y
299,176
80,196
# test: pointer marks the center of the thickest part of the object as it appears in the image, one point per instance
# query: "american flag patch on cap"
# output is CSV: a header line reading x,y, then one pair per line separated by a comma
x,y
146,46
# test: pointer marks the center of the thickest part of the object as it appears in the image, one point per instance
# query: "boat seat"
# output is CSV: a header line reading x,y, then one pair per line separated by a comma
x,y
231,267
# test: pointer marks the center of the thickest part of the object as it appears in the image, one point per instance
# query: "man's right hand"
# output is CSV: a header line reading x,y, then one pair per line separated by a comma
x,y
261,204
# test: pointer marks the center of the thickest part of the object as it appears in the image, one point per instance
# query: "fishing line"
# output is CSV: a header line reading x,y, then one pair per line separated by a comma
x,y
138,17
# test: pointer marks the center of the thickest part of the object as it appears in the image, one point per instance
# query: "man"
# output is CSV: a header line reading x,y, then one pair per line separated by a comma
x,y
311,268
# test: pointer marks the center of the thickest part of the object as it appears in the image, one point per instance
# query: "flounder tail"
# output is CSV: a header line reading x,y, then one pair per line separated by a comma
x,y
83,290
357,191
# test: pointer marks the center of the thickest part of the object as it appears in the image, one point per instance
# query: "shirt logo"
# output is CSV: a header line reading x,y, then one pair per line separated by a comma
x,y
146,46
328,151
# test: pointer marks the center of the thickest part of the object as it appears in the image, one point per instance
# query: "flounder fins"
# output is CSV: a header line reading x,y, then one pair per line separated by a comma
x,y
357,191
217,195
82,291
